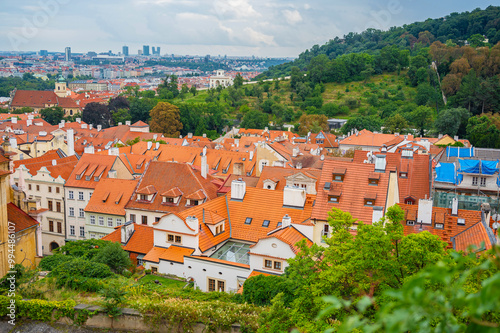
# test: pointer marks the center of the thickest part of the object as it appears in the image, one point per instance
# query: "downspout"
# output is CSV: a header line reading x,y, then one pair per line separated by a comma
x,y
229,220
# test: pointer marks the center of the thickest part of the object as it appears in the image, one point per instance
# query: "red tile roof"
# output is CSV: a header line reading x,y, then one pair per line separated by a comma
x,y
173,253
475,236
367,138
21,220
111,195
352,190
278,174
141,241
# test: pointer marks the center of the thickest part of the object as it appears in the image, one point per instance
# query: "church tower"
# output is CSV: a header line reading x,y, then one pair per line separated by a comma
x,y
61,86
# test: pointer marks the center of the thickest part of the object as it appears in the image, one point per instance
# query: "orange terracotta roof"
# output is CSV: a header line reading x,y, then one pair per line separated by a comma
x,y
63,168
279,175
149,189
198,195
164,176
475,236
212,218
139,123
173,253
111,195
33,98
141,241
439,215
356,179
290,236
172,193
220,261
21,220
367,138
100,163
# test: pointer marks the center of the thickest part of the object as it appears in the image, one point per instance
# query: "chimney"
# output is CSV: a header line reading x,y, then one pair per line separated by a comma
x,y
155,136
71,142
54,162
99,128
91,126
120,123
13,143
295,151
204,164
192,221
190,135
83,126
29,122
113,151
150,144
63,122
88,150
424,211
157,146
455,138
286,222
454,206
251,155
294,196
485,213
238,189
237,142
78,120
380,163
13,120
127,123
440,136
322,157
30,117
126,232
204,135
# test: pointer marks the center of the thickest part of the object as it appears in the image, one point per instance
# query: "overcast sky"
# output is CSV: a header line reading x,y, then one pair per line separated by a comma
x,y
234,27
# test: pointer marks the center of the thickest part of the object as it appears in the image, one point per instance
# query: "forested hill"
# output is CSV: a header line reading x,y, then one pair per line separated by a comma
x,y
454,28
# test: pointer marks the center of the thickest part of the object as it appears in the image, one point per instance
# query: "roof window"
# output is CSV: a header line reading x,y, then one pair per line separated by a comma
x,y
248,220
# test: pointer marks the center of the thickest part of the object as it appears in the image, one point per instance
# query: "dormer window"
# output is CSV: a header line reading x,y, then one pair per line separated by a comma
x,y
146,194
403,175
334,196
338,174
409,200
143,197
373,179
369,199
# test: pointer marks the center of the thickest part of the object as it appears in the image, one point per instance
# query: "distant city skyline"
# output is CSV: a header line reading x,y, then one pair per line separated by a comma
x,y
191,27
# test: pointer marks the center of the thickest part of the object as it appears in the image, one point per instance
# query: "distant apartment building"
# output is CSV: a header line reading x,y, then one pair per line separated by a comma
x,y
67,54
125,51
43,53
145,50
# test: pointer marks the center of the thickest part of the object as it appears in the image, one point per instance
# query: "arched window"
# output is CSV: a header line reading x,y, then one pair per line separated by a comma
x,y
53,246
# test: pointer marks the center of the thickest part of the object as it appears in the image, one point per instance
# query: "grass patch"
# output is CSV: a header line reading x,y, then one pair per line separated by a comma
x,y
163,280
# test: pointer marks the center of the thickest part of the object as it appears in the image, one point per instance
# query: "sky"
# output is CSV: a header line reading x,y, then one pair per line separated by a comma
x,y
264,28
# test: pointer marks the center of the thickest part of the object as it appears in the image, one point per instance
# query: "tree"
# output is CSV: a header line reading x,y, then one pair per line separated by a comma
x,y
115,257
421,117
23,110
452,122
193,90
52,115
119,102
140,108
238,81
96,114
312,123
165,118
121,116
371,123
396,123
255,119
481,132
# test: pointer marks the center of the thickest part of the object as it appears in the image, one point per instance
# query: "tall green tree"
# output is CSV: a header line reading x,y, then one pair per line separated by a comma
x,y
97,114
452,122
52,115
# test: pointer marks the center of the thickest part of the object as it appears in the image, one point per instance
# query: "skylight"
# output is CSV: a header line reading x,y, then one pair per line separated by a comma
x,y
265,223
248,220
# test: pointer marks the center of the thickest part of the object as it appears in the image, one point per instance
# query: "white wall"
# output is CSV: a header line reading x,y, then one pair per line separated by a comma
x,y
270,248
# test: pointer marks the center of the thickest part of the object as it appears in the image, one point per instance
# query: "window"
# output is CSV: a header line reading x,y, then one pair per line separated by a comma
x,y
70,195
51,226
272,264
265,223
82,231
71,211
80,196
170,238
333,199
474,180
248,220
268,263
90,195
58,206
92,219
81,212
410,222
277,265
338,178
29,187
110,221
178,239
157,219
439,225
483,181
57,190
368,202
403,174
118,222
59,227
461,221
72,230
154,269
50,189
144,219
216,285
101,220
51,208
132,217
38,188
